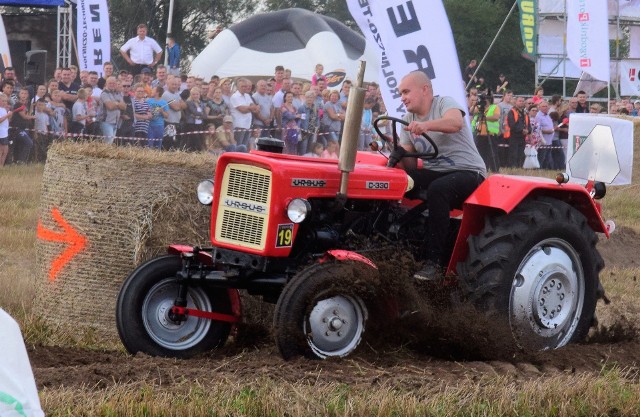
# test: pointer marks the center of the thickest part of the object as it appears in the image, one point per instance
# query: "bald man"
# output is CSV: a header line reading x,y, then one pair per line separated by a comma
x,y
448,179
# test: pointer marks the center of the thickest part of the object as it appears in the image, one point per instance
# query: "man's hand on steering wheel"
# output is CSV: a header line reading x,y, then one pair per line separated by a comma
x,y
416,128
399,154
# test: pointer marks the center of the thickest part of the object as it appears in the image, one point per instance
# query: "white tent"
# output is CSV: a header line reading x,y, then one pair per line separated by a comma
x,y
294,38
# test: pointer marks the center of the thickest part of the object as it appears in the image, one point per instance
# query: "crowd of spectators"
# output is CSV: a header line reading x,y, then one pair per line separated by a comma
x,y
158,109
529,131
154,106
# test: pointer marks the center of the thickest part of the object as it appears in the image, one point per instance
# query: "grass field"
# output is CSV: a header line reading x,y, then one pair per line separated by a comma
x,y
611,391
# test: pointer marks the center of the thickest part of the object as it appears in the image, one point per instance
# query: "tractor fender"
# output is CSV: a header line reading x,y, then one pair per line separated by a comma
x,y
347,255
500,193
205,258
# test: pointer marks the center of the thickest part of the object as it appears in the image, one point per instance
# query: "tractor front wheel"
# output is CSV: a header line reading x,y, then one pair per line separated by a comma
x,y
535,272
322,311
144,319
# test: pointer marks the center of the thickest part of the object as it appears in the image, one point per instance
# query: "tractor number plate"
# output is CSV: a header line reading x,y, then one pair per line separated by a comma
x,y
284,238
377,185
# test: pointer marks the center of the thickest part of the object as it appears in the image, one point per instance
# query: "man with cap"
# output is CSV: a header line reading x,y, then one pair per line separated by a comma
x,y
224,138
636,108
147,77
141,51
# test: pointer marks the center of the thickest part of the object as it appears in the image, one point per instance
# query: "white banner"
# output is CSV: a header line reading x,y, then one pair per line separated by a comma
x,y
588,37
93,35
634,42
4,46
630,78
609,156
627,9
412,35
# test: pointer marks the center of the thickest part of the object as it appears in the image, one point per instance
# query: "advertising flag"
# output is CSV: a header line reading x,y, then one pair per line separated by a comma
x,y
588,37
93,34
4,47
412,35
529,27
630,78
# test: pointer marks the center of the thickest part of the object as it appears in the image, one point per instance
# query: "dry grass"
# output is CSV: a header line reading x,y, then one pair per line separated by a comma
x,y
613,392
101,150
19,200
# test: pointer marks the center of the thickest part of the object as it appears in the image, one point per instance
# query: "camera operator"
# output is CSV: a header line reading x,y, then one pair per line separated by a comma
x,y
486,128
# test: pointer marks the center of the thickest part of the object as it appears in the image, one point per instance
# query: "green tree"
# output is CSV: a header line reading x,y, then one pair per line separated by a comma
x,y
474,24
333,8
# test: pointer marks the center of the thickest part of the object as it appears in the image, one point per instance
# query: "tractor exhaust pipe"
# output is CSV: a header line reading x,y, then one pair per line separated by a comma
x,y
351,132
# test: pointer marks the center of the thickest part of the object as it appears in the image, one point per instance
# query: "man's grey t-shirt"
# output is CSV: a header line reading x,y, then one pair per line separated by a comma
x,y
456,151
110,116
264,101
173,116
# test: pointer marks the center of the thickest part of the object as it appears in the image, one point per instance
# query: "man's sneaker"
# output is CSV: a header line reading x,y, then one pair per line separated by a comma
x,y
431,272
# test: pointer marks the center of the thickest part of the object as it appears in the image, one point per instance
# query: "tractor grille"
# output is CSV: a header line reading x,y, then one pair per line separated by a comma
x,y
251,186
241,227
243,210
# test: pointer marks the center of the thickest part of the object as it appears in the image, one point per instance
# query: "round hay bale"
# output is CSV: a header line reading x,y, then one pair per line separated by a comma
x,y
114,207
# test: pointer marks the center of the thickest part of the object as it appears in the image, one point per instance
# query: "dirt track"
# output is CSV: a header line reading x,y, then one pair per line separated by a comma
x,y
426,360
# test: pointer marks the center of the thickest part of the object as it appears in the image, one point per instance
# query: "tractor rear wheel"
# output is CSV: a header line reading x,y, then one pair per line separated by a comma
x,y
534,272
143,312
322,311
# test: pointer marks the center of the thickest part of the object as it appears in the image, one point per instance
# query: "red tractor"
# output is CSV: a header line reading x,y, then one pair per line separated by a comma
x,y
293,230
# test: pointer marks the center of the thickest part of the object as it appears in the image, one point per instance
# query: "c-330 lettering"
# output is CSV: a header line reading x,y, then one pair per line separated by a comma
x,y
308,182
377,185
241,205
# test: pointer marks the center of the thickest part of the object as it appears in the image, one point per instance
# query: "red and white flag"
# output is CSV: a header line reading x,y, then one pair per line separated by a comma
x,y
588,37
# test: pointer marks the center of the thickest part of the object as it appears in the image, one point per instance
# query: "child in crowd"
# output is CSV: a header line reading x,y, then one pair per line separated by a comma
x,y
159,110
80,113
141,112
5,115
58,122
22,122
41,126
316,150
318,75
366,126
332,150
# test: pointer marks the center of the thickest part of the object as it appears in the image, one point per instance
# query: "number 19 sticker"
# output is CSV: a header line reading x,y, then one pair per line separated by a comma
x,y
284,239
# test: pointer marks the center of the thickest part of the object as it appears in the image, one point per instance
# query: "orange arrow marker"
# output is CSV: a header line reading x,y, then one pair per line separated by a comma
x,y
76,241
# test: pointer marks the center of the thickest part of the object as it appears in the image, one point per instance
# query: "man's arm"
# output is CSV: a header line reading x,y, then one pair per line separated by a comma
x,y
68,96
126,57
495,116
450,122
110,104
177,105
157,52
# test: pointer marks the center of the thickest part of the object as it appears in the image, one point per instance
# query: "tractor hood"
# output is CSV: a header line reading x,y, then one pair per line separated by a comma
x,y
306,177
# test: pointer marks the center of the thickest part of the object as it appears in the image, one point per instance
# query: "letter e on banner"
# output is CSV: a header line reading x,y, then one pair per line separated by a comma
x,y
404,25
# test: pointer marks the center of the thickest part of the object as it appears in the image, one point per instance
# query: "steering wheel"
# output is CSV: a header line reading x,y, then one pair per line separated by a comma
x,y
396,139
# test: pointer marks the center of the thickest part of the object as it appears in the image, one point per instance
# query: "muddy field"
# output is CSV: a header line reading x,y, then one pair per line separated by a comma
x,y
426,354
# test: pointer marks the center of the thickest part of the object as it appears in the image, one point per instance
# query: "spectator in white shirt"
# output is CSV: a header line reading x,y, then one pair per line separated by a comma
x,y
242,107
141,51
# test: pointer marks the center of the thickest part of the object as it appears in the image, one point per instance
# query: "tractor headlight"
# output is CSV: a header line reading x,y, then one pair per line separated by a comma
x,y
205,192
298,210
